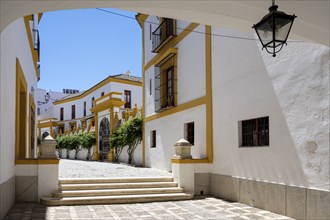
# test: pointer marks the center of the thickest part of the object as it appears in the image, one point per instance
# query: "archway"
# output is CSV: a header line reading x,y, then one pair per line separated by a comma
x,y
104,133
312,22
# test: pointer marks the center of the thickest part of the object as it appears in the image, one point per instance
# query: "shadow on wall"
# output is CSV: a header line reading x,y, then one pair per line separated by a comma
x,y
290,89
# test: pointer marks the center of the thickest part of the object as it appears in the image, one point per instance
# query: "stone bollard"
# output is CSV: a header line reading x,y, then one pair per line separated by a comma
x,y
184,173
48,148
47,168
182,150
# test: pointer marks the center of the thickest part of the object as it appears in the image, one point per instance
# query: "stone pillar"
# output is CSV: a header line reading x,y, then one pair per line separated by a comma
x,y
48,148
47,168
184,172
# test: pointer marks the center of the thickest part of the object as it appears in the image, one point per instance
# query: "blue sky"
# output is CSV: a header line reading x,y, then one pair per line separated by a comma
x,y
79,48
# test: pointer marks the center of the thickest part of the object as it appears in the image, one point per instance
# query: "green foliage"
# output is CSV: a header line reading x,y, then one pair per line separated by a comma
x,y
129,134
116,142
134,136
87,140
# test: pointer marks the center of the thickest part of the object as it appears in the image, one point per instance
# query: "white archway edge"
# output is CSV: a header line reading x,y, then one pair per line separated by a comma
x,y
312,23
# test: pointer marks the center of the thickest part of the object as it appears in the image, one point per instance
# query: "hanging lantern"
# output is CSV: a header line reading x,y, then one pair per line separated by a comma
x,y
273,29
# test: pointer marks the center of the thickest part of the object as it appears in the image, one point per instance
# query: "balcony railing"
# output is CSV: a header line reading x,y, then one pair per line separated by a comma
x,y
164,32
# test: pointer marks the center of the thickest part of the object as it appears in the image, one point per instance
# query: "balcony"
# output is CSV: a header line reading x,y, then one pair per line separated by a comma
x,y
164,33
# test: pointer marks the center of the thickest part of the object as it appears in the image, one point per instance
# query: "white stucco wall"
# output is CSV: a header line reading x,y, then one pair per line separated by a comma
x,y
191,66
154,21
137,159
14,44
292,89
149,98
169,130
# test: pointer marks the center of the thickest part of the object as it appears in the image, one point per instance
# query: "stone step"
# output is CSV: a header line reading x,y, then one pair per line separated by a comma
x,y
115,180
113,192
94,186
115,199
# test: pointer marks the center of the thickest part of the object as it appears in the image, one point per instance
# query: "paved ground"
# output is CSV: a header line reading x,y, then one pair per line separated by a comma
x,y
201,208
85,169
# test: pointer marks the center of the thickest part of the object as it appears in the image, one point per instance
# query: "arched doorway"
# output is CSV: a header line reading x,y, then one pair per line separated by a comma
x,y
104,133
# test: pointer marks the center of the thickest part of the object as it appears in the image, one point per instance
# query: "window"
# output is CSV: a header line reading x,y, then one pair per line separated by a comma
x,y
163,34
153,139
165,83
127,98
102,94
84,108
73,111
62,114
92,102
38,111
255,132
190,132
150,87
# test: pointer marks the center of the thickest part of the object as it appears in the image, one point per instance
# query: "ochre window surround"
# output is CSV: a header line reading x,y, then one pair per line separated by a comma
x,y
166,83
21,113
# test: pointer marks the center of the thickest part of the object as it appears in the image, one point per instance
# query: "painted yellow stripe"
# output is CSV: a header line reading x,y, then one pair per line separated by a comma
x,y
209,116
37,161
176,109
179,161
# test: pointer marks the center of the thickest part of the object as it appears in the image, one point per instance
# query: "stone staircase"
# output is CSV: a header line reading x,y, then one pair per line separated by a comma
x,y
115,191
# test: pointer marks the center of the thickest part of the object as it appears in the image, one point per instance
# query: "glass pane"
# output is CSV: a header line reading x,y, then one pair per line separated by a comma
x,y
265,33
282,28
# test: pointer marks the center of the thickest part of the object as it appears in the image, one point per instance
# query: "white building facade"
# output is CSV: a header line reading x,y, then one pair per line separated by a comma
x,y
19,76
258,124
97,109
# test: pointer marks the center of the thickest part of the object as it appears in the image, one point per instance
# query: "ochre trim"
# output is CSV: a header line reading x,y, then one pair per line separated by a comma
x,y
208,86
176,109
143,95
21,86
47,119
40,16
171,44
96,125
179,161
37,161
107,105
97,86
141,19
47,124
34,52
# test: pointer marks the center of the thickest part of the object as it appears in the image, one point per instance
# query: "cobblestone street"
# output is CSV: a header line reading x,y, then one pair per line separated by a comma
x,y
199,208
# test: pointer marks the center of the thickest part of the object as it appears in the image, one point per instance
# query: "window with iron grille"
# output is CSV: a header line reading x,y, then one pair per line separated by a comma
x,y
61,114
190,132
165,84
73,111
153,138
163,33
127,98
255,132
